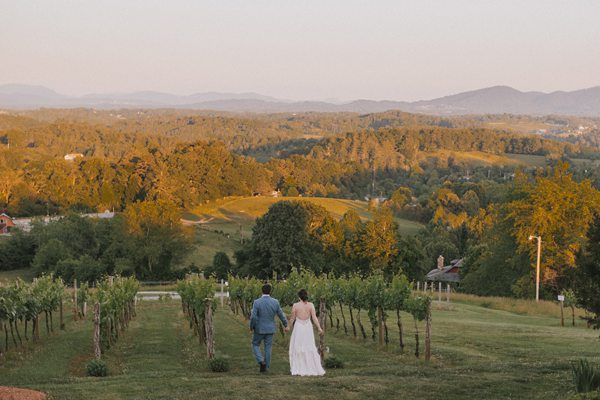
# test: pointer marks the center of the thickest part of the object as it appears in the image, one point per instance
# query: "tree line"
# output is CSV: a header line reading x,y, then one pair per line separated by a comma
x,y
118,168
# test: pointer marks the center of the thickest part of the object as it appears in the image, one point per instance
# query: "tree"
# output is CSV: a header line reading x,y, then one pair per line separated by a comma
x,y
221,266
448,209
400,197
375,244
157,241
17,250
291,235
559,210
49,254
411,260
587,276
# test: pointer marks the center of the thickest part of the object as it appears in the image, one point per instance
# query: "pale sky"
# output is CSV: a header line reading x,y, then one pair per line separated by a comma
x,y
301,49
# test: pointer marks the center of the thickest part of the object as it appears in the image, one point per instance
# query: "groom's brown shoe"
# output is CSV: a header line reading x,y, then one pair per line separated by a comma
x,y
263,367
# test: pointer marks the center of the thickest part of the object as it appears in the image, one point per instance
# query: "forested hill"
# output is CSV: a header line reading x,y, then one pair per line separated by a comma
x,y
190,159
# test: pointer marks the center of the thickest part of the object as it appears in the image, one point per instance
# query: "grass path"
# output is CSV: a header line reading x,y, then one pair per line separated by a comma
x,y
477,353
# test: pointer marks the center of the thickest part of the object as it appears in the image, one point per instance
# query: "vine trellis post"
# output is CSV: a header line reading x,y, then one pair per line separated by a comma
x,y
97,351
209,328
323,323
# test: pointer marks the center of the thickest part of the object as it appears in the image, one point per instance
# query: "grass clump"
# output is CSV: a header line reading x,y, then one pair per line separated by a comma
x,y
96,368
332,362
218,364
586,376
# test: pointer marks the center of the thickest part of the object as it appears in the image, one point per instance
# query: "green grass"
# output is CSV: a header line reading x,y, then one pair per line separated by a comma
x,y
207,243
27,274
478,353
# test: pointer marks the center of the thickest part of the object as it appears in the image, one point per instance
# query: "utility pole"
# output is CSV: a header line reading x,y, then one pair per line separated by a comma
x,y
537,271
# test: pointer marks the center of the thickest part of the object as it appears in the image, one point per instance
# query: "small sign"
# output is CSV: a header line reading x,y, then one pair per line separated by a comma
x,y
561,297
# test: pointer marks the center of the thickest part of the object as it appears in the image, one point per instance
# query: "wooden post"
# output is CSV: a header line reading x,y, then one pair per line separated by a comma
x,y
97,351
62,321
208,324
440,292
448,292
323,323
380,324
425,287
84,309
109,331
75,307
222,293
418,286
428,334
562,318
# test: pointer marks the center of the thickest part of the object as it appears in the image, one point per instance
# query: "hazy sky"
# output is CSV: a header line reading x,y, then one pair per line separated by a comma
x,y
301,49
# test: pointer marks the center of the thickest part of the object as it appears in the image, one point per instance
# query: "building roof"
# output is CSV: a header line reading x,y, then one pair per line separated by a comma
x,y
449,273
6,220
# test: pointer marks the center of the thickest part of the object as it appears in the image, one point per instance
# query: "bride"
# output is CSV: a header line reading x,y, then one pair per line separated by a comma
x,y
304,357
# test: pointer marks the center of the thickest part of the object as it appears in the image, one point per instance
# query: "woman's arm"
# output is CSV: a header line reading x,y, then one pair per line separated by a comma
x,y
313,315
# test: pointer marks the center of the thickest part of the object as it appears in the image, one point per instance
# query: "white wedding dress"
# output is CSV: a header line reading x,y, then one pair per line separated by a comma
x,y
304,357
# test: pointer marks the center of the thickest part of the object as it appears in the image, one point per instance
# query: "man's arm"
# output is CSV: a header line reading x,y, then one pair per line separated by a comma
x,y
253,316
281,315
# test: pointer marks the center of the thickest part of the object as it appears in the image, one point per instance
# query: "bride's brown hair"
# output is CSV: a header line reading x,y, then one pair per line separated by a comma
x,y
303,294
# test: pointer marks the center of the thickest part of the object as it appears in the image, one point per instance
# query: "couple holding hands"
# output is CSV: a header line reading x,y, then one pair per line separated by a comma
x,y
303,355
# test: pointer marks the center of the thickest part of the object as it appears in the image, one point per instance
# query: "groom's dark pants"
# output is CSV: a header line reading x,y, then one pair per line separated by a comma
x,y
268,339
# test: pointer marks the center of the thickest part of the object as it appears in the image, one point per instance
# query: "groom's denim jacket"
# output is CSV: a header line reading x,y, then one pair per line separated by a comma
x,y
262,319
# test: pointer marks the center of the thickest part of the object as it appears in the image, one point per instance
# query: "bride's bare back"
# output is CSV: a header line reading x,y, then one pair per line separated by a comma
x,y
305,310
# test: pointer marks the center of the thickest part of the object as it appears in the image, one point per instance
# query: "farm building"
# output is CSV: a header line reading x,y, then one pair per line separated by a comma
x,y
6,224
446,273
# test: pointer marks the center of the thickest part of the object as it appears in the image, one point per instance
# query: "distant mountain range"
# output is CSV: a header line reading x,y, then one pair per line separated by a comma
x,y
492,100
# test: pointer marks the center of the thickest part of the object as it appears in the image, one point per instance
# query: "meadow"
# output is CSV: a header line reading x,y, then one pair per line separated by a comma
x,y
478,352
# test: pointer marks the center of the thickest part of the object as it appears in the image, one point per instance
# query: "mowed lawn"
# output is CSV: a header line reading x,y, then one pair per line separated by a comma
x,y
478,353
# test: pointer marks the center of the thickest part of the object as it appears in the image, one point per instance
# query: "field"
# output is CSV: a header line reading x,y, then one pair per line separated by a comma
x,y
232,212
478,353
531,160
478,158
221,225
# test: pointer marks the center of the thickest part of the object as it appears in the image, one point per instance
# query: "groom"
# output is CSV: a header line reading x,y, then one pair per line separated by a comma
x,y
262,323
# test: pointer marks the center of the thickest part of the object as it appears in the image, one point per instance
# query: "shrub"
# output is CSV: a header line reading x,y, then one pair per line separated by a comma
x,y
333,362
586,376
96,368
218,364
